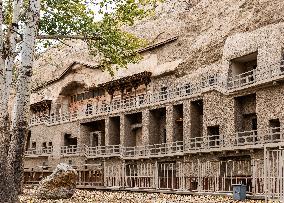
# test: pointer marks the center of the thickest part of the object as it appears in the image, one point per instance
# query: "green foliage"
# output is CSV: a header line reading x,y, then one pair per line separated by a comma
x,y
102,20
65,17
79,17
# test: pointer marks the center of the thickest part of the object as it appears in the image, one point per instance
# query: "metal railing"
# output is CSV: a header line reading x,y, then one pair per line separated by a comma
x,y
187,176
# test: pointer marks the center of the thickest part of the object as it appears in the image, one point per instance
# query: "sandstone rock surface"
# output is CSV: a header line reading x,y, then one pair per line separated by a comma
x,y
61,184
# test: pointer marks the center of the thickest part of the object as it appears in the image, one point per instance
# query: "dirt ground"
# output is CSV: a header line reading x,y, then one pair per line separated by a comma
x,y
83,196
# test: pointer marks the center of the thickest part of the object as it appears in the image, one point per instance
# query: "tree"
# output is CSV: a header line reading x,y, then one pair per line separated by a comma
x,y
22,23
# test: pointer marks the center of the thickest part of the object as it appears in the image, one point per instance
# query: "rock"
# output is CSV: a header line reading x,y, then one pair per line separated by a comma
x,y
61,184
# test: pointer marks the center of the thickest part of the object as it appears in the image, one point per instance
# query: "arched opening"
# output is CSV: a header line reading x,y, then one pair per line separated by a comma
x,y
72,88
66,96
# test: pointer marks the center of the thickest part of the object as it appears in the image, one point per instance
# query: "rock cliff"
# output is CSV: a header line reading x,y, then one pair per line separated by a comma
x,y
202,26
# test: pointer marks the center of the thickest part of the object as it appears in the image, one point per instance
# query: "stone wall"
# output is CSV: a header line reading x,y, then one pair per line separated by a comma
x,y
54,134
269,105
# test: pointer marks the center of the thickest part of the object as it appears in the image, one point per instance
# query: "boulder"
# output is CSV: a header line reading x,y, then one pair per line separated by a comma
x,y
61,184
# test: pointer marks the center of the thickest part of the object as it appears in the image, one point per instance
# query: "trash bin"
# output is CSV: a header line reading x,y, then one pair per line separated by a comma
x,y
239,192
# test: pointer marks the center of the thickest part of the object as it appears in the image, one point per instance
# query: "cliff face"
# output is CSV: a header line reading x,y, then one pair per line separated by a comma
x,y
56,59
202,26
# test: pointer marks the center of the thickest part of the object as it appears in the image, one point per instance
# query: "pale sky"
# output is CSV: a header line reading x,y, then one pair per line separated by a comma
x,y
95,8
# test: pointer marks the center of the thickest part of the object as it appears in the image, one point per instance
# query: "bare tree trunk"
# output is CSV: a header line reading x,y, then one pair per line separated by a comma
x,y
3,127
22,101
11,52
8,55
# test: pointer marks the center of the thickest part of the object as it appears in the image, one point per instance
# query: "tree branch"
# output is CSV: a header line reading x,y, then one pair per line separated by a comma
x,y
63,42
67,37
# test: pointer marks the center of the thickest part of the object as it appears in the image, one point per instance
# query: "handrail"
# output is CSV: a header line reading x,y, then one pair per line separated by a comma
x,y
39,152
196,144
254,76
71,150
177,92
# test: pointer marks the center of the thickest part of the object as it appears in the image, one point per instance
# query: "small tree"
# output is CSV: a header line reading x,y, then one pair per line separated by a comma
x,y
23,23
